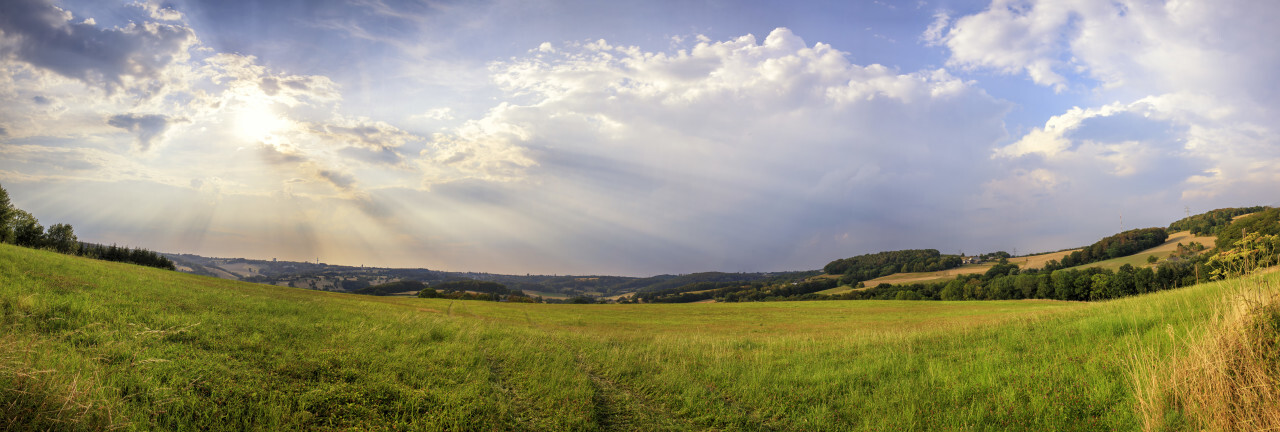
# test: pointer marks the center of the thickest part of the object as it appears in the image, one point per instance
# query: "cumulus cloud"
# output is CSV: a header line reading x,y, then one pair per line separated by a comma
x,y
147,128
1140,48
777,138
41,34
1187,102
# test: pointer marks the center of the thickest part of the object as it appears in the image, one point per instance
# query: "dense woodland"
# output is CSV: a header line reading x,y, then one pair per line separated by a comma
x,y
1208,223
1262,223
21,228
870,266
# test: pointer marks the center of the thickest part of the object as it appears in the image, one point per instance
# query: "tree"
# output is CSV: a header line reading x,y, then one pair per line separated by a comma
x,y
6,213
1062,284
1100,288
1151,259
61,238
954,290
26,229
907,295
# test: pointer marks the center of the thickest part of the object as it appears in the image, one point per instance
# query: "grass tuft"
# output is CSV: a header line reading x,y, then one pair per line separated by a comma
x,y
1229,377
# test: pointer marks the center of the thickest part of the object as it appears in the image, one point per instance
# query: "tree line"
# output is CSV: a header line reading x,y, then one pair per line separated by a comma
x,y
1242,246
471,289
870,266
1245,244
1119,245
18,227
1073,284
1208,223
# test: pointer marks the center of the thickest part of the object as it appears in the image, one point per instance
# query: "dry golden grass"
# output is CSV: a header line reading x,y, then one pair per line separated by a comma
x,y
1228,380
1026,262
44,399
1038,261
1183,237
936,276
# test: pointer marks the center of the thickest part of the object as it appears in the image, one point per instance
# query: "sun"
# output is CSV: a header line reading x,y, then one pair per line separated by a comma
x,y
257,122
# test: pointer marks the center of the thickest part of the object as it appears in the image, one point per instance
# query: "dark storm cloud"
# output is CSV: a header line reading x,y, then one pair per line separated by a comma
x,y
39,33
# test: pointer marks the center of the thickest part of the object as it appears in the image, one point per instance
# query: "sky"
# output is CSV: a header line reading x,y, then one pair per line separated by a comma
x,y
632,138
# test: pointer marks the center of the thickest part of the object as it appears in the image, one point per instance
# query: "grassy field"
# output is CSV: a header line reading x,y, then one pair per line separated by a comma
x,y
87,345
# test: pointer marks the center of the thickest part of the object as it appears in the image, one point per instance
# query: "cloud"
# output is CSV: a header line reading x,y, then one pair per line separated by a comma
x,y
728,146
242,74
277,156
147,128
444,113
39,163
363,133
1190,122
933,35
159,11
41,34
1144,47
338,179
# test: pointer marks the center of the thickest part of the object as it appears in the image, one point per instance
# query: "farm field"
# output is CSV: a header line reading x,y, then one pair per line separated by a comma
x,y
1030,261
1161,252
1038,261
97,345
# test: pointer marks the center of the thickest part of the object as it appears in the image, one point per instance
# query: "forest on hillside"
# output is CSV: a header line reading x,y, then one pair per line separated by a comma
x,y
18,227
870,266
1123,244
1208,223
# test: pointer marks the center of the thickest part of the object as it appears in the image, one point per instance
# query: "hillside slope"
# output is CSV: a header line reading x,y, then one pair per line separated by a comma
x,y
1038,261
89,345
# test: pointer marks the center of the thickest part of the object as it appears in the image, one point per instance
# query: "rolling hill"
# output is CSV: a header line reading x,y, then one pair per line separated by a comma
x,y
1039,260
90,345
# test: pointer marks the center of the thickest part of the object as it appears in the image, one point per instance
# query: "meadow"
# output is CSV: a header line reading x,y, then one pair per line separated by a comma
x,y
90,345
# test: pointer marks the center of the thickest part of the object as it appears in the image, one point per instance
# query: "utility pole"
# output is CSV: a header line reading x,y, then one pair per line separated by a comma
x,y
1187,209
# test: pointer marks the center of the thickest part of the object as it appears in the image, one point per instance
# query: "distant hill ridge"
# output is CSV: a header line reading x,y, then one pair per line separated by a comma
x,y
705,285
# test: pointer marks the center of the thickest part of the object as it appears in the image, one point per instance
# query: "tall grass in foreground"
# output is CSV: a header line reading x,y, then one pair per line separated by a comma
x,y
87,345
1229,377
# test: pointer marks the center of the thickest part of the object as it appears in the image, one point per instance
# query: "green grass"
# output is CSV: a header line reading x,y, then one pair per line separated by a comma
x,y
87,345
1138,260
